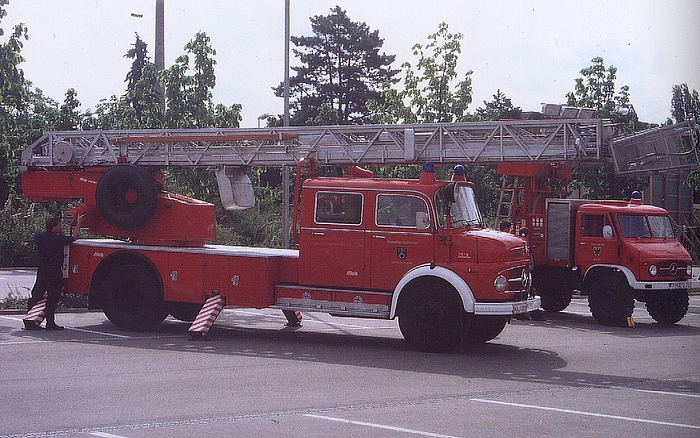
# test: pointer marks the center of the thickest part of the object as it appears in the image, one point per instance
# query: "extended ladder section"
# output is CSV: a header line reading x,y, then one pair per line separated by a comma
x,y
474,142
231,151
673,147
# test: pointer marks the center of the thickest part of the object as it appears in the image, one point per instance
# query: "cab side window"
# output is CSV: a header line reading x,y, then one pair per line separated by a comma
x,y
401,211
338,208
592,225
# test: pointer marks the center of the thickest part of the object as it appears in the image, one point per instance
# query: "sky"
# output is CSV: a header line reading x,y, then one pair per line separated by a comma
x,y
531,50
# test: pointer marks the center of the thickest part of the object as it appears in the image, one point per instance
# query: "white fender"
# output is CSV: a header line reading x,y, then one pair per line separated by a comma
x,y
631,280
425,270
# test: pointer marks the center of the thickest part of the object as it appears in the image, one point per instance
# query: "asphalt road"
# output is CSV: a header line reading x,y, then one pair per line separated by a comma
x,y
16,281
342,377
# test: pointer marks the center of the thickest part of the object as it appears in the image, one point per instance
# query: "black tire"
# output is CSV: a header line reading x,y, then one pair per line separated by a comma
x,y
131,296
431,317
126,196
184,311
668,307
484,328
554,288
610,299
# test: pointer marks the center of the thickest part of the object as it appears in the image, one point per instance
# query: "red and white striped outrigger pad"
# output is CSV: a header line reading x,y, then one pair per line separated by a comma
x,y
37,313
206,317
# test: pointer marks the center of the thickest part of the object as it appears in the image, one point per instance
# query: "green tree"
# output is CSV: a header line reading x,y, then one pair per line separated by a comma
x,y
499,108
596,90
341,69
142,87
70,118
685,105
431,91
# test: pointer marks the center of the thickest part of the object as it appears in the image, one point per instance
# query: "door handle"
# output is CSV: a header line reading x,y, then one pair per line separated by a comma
x,y
318,233
377,236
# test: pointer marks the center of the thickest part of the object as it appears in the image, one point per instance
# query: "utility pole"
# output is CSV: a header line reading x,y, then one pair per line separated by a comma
x,y
160,50
285,169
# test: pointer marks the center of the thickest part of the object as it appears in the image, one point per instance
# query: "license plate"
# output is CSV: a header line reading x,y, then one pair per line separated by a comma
x,y
680,285
519,308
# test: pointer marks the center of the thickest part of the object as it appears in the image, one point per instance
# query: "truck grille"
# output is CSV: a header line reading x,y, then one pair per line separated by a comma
x,y
671,269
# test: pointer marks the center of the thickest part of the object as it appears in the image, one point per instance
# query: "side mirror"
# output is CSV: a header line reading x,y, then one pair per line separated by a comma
x,y
451,192
422,220
607,232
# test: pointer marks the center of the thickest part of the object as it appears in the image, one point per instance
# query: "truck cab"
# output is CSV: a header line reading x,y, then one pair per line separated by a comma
x,y
417,247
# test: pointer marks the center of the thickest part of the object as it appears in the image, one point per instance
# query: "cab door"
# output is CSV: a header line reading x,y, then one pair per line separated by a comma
x,y
592,247
334,250
401,238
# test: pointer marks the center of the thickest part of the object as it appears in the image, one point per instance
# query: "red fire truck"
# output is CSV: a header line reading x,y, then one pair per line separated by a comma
x,y
368,247
612,251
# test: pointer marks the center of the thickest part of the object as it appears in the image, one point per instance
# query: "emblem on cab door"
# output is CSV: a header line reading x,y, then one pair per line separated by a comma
x,y
401,252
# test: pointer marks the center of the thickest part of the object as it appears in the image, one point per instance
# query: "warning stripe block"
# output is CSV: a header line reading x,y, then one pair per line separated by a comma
x,y
37,313
206,317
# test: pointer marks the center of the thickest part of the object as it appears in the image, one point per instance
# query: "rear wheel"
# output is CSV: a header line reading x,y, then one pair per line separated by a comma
x,y
184,311
431,317
668,307
131,294
610,300
554,288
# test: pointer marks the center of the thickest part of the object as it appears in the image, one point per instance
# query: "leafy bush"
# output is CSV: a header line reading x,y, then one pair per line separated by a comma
x,y
19,221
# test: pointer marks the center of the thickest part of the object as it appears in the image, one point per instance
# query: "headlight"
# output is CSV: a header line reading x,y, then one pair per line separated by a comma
x,y
500,283
689,270
653,270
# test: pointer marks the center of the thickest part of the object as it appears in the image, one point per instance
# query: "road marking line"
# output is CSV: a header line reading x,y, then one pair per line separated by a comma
x,y
379,426
650,391
588,414
106,435
79,330
114,335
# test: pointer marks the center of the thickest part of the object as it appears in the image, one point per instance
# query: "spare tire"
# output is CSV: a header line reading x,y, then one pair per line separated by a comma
x,y
126,196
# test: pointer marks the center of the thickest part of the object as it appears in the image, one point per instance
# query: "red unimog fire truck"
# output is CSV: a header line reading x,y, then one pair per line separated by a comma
x,y
612,251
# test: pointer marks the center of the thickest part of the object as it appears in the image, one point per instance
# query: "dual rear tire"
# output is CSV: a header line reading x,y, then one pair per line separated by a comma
x,y
129,289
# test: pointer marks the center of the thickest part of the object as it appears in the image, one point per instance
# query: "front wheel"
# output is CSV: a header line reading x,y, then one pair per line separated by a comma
x,y
431,318
610,300
484,328
668,307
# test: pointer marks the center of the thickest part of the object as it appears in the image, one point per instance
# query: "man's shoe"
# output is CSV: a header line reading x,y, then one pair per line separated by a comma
x,y
53,327
31,325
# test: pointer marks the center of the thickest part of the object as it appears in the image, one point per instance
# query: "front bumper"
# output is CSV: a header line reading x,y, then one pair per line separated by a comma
x,y
507,309
666,285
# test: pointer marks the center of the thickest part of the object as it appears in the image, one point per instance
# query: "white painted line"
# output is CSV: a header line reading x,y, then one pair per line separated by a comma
x,y
77,329
379,426
588,414
114,335
649,391
10,318
106,435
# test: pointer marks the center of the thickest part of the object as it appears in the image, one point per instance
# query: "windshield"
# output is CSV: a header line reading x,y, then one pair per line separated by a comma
x,y
636,226
661,227
464,211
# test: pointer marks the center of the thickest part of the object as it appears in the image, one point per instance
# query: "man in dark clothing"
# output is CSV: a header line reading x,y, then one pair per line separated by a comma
x,y
49,278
